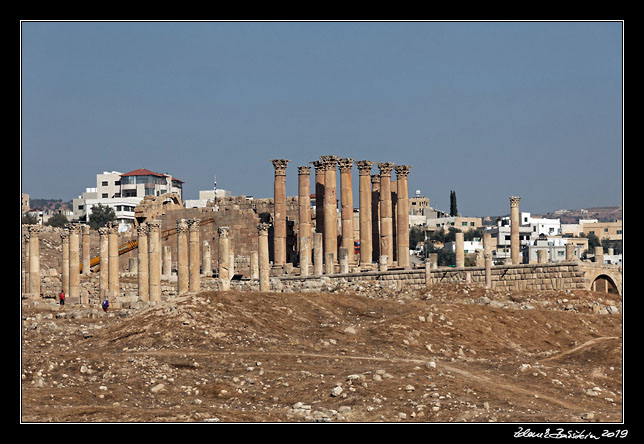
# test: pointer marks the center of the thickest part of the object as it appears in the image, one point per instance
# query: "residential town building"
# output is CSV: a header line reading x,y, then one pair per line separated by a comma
x,y
123,192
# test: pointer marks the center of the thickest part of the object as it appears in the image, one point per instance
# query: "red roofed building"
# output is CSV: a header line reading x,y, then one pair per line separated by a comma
x,y
143,182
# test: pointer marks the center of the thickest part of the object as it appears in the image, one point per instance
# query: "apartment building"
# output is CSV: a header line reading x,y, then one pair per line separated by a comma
x,y
123,192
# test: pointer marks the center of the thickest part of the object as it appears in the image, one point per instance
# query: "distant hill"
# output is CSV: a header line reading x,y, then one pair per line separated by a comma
x,y
49,204
602,214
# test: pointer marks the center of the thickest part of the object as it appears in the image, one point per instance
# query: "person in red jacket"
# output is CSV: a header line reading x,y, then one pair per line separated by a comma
x,y
62,297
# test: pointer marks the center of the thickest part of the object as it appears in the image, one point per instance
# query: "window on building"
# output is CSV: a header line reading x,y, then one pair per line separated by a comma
x,y
104,195
104,183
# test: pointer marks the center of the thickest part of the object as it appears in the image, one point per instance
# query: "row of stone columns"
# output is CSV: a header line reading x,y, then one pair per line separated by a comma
x,y
376,212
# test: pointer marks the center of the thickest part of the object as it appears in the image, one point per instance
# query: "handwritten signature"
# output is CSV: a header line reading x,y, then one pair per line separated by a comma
x,y
569,434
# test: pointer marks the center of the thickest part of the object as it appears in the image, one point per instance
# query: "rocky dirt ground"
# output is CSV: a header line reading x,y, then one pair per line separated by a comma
x,y
452,353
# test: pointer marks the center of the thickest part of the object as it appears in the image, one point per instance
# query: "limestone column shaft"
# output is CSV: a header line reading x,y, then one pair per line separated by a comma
x,y
206,261
182,257
224,258
330,208
74,264
319,195
279,215
64,237
346,207
460,252
264,265
514,230
25,271
166,261
570,251
375,217
86,241
34,261
113,264
366,249
394,220
254,265
154,260
402,221
104,264
318,252
194,256
304,218
386,223
488,270
143,267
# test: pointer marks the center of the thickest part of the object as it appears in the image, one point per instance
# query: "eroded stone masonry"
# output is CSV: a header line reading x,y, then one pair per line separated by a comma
x,y
277,244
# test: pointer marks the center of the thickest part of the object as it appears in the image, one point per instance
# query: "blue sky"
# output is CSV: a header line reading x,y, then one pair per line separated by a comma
x,y
487,109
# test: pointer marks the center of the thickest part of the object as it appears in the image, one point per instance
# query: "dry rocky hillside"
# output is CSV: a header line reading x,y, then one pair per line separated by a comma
x,y
452,353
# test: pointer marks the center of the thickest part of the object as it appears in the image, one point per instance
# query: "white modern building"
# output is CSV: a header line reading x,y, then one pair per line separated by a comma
x,y
123,192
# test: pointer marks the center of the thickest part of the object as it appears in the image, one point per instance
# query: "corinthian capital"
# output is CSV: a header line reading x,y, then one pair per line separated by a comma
x,y
329,162
364,167
262,228
514,201
345,165
280,166
385,168
402,170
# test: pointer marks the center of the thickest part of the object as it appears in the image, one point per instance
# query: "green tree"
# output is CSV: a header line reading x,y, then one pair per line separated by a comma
x,y
416,234
453,211
57,220
101,216
29,219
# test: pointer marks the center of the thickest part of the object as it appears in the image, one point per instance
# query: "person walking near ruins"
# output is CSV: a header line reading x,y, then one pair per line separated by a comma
x,y
105,305
61,296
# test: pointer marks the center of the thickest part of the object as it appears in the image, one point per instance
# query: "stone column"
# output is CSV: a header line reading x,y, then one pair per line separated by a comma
x,y
279,215
375,217
194,256
64,237
328,263
133,265
113,263
382,262
34,261
343,259
541,256
154,260
487,244
304,216
346,207
224,258
366,250
264,264
402,221
318,250
166,261
86,237
428,273
74,264
330,208
460,253
394,221
515,221
182,257
599,255
488,270
386,227
25,270
319,195
570,252
206,262
144,267
104,264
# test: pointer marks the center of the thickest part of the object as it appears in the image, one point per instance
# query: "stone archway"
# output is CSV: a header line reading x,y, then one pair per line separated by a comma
x,y
605,284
